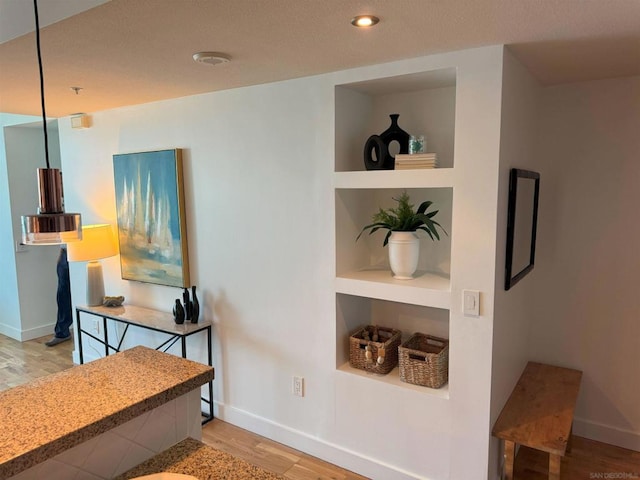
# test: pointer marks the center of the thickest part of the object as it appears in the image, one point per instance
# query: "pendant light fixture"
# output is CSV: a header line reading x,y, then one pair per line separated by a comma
x,y
51,226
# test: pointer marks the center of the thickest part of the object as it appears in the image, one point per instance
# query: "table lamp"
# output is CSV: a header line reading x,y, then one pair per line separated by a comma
x,y
97,242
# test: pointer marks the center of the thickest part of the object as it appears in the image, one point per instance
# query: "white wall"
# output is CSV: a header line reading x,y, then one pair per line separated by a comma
x,y
29,279
477,149
512,319
258,166
587,304
10,316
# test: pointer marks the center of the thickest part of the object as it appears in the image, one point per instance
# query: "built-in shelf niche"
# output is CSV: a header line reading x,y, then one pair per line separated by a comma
x,y
426,105
354,311
354,210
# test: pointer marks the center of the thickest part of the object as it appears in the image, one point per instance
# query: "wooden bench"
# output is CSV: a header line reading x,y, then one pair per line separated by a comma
x,y
539,414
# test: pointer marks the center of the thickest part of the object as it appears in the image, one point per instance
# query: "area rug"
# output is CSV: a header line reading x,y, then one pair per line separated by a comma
x,y
191,457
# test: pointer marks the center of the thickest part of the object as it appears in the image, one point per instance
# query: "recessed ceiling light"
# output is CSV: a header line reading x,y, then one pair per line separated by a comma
x,y
211,58
364,21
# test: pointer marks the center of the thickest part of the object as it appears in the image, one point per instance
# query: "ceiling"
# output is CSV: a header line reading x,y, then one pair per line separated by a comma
x,y
127,52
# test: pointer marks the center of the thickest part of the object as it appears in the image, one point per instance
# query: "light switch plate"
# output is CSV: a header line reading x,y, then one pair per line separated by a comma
x,y
471,303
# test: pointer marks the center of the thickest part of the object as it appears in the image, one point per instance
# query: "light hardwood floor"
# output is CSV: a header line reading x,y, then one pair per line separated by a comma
x,y
588,459
22,362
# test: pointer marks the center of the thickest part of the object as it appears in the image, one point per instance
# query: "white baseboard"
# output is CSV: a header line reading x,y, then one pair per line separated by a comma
x,y
37,332
10,331
607,434
29,334
314,446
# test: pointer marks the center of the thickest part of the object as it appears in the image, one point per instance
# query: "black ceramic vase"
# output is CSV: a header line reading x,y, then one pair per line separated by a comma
x,y
394,134
178,312
375,153
195,306
187,304
376,149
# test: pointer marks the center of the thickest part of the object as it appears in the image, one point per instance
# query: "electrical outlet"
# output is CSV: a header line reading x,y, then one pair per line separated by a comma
x,y
95,326
298,386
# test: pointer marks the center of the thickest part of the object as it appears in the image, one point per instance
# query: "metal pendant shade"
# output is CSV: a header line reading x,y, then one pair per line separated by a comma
x,y
51,225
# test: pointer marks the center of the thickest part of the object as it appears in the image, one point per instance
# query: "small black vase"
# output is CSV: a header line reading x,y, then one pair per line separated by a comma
x,y
375,154
394,134
187,304
376,149
195,306
178,312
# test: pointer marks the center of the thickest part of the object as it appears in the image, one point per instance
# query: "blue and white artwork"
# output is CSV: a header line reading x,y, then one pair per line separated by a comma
x,y
151,224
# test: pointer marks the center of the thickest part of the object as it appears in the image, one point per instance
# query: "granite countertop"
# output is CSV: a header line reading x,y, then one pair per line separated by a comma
x,y
191,457
54,413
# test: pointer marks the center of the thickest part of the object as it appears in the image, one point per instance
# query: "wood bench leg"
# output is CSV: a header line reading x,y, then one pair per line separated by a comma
x,y
509,453
554,467
570,439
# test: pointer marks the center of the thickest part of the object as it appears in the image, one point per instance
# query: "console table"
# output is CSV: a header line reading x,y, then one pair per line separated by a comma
x,y
148,319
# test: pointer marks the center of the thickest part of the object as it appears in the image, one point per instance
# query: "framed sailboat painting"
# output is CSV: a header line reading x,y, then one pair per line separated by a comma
x,y
151,218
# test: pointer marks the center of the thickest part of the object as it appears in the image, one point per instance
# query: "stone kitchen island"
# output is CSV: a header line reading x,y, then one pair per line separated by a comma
x,y
96,421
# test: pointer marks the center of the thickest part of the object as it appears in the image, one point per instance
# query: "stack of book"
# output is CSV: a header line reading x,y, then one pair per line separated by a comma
x,y
416,160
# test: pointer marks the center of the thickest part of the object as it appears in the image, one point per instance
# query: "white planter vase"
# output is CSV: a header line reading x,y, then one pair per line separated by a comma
x,y
404,250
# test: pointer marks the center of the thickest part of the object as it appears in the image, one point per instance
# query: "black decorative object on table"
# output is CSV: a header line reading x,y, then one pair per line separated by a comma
x,y
187,304
178,312
195,306
379,144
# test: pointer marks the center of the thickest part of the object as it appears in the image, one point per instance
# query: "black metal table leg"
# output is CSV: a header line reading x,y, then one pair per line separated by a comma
x,y
79,336
210,358
106,336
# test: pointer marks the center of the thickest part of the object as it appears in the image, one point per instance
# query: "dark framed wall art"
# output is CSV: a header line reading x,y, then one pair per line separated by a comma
x,y
151,217
522,221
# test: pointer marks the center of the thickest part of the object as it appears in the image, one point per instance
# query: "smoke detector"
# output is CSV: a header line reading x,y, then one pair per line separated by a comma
x,y
211,58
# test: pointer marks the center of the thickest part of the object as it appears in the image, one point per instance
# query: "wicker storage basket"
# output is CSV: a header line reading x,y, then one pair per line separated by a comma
x,y
424,360
384,352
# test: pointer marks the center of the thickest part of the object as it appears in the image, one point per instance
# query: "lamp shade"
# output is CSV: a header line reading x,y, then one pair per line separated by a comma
x,y
51,229
98,241
51,225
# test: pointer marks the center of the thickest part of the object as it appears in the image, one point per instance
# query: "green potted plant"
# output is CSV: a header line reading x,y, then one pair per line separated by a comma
x,y
402,223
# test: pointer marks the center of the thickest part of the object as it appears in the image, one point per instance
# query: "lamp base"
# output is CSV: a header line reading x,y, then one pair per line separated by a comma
x,y
95,283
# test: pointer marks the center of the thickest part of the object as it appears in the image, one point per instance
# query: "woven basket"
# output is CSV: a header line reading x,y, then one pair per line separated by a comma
x,y
424,360
388,343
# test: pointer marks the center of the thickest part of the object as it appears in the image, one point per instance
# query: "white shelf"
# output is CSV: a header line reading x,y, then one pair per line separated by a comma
x,y
419,178
426,289
393,378
365,289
